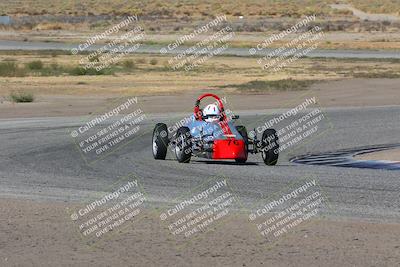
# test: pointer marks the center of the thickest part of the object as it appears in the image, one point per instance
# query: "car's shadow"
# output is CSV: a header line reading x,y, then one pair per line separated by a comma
x,y
232,163
220,162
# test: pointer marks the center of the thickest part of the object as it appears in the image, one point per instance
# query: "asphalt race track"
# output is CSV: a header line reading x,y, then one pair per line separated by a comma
x,y
155,49
40,161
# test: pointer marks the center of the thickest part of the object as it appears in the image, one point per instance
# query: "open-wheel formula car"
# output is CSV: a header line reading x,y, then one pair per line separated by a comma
x,y
210,133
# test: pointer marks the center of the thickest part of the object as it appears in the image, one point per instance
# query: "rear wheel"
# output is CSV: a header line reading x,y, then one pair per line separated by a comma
x,y
243,132
160,141
183,146
270,147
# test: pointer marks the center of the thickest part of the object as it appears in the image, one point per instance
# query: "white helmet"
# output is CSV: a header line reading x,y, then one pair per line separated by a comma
x,y
211,113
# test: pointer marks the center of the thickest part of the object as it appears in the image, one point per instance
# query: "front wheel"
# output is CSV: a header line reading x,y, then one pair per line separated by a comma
x,y
183,146
160,141
270,147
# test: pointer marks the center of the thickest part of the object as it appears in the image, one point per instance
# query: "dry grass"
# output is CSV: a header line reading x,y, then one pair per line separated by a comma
x,y
378,74
381,6
216,73
206,8
259,86
166,8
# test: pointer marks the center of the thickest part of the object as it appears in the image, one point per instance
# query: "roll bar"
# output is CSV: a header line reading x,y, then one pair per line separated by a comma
x,y
197,111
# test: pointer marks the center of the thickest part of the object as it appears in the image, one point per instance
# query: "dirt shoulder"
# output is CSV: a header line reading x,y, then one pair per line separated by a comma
x,y
350,92
392,155
335,83
41,233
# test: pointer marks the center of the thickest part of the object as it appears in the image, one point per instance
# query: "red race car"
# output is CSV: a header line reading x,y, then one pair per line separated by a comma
x,y
211,133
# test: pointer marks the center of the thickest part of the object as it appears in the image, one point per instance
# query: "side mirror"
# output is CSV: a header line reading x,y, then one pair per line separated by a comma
x,y
235,117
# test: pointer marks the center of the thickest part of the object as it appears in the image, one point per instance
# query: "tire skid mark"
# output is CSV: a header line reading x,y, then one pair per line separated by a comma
x,y
346,158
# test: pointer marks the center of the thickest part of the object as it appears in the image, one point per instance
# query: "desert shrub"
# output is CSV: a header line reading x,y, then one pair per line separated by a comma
x,y
79,71
21,97
94,58
11,69
34,65
128,64
141,60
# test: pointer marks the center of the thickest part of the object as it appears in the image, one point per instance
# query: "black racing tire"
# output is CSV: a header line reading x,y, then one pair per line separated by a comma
x,y
183,145
270,147
160,141
243,132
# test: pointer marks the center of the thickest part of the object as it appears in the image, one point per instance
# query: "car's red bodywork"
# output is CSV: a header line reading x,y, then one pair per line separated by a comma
x,y
229,148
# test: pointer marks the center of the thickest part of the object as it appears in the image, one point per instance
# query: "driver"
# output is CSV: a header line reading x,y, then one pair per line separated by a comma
x,y
211,113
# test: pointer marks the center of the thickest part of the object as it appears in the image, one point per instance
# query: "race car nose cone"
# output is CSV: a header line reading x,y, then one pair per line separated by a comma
x,y
229,149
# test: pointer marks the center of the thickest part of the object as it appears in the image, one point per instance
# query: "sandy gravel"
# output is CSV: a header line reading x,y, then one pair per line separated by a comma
x,y
392,155
38,233
340,93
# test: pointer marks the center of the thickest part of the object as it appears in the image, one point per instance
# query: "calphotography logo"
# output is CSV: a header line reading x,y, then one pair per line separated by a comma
x,y
301,45
285,211
213,44
108,131
292,128
201,210
117,46
119,208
